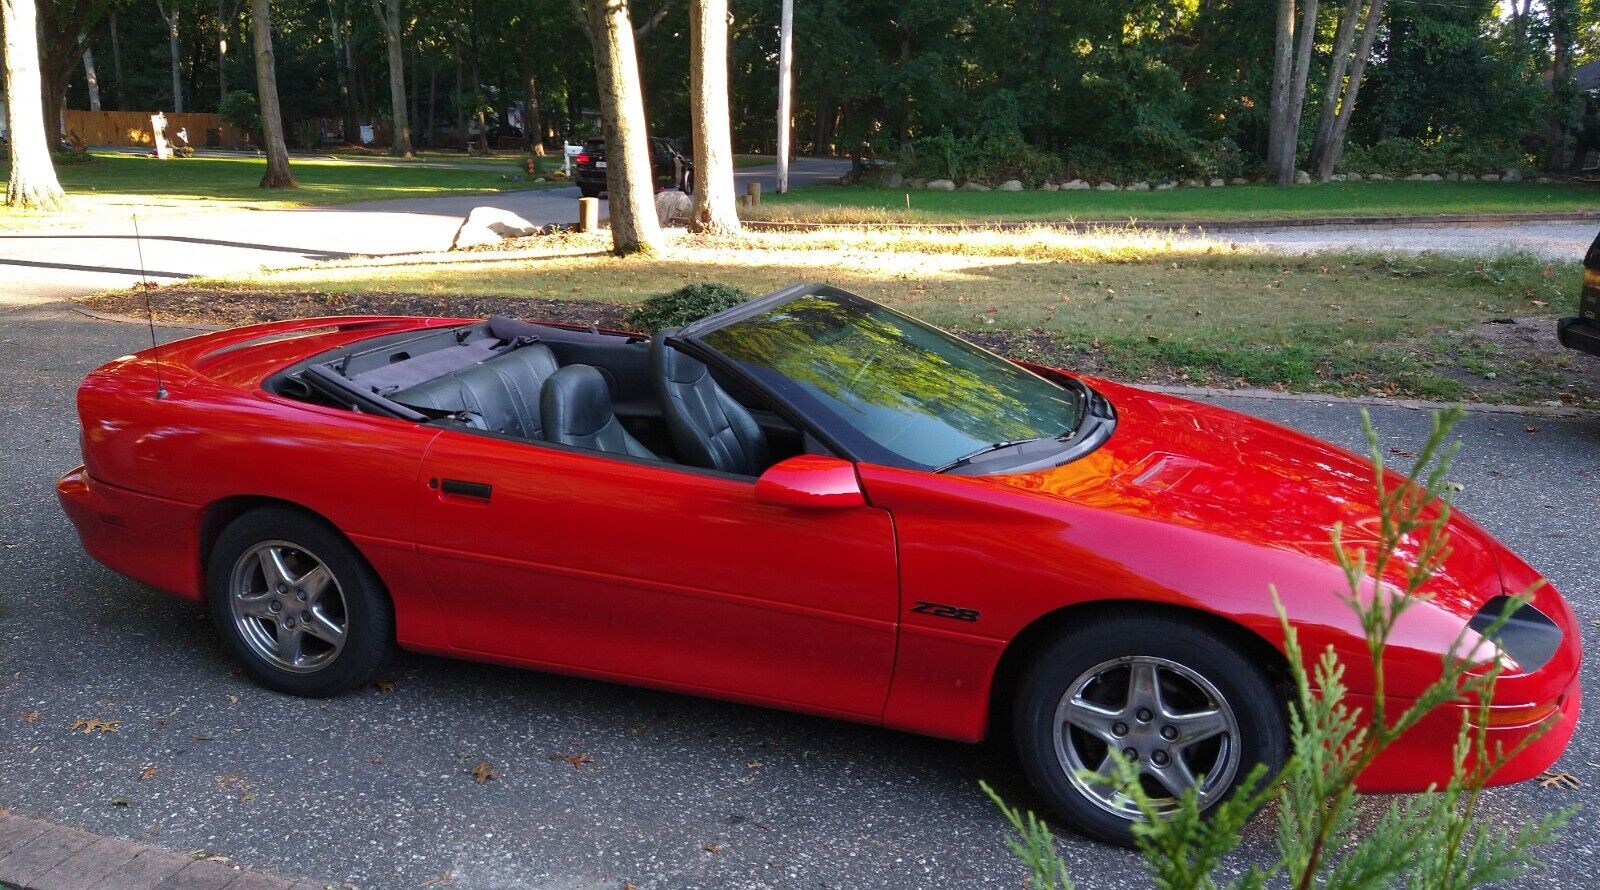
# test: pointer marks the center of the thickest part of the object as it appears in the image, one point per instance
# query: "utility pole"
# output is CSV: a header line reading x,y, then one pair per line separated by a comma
x,y
785,59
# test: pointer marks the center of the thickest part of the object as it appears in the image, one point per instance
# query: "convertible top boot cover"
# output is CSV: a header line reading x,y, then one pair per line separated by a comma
x,y
503,392
576,410
708,427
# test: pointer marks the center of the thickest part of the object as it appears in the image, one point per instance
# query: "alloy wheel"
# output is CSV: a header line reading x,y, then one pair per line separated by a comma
x,y
288,607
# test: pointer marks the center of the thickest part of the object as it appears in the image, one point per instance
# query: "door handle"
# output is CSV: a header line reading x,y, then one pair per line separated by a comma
x,y
462,488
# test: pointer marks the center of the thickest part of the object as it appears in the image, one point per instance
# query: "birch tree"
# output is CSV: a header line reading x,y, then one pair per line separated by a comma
x,y
714,209
33,184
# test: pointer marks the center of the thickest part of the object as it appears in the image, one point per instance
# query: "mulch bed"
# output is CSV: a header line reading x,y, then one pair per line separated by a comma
x,y
230,307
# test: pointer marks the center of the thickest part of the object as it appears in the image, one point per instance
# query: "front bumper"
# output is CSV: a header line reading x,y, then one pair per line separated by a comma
x,y
1577,332
1421,757
147,538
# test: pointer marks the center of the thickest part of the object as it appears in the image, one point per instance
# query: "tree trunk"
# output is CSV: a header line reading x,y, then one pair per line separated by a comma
x,y
171,17
33,184
1561,28
227,11
91,78
1278,112
1305,39
433,100
1347,105
714,209
277,175
352,110
532,120
388,13
1338,66
116,64
628,176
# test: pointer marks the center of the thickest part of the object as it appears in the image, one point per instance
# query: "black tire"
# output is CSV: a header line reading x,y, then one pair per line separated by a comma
x,y
589,191
361,605
1177,651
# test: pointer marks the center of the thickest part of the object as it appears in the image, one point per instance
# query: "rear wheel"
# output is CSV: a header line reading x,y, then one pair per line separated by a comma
x,y
1182,702
297,605
589,191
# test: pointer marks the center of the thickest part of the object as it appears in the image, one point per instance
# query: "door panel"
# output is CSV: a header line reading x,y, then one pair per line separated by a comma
x,y
594,563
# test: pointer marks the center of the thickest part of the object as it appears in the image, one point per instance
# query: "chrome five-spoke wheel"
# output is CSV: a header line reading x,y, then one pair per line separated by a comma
x,y
297,604
1190,703
288,607
1170,722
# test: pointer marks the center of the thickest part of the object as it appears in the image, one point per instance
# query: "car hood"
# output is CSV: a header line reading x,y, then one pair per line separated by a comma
x,y
1226,473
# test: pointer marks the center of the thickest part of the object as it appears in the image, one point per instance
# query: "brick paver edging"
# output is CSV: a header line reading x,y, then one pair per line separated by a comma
x,y
40,855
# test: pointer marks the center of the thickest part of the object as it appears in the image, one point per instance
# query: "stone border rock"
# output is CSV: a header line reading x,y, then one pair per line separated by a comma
x,y
892,179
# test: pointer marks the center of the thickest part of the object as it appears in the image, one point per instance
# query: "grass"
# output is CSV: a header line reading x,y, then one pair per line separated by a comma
x,y
136,182
853,204
740,161
1127,305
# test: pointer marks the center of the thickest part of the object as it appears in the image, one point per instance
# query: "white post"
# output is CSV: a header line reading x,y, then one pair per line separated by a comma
x,y
785,59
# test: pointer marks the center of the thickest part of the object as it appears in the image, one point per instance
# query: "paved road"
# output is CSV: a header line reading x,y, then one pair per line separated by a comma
x,y
374,788
1564,241
56,263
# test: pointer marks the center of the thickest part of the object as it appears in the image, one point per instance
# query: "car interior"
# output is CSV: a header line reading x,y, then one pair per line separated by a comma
x,y
605,391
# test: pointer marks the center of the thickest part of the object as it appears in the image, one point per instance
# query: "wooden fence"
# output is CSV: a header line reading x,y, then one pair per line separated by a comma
x,y
130,128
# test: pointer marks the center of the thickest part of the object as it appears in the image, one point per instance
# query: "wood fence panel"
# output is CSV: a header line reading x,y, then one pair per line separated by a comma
x,y
132,128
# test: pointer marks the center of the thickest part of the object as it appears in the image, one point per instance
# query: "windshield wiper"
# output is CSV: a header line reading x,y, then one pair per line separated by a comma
x,y
968,458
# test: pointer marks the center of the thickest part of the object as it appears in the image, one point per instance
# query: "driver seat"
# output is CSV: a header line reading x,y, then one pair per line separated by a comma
x,y
708,428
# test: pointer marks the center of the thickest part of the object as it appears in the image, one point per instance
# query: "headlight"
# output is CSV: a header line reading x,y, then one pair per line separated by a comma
x,y
1528,636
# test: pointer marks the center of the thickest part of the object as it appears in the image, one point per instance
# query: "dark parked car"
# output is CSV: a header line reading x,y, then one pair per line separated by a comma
x,y
1582,331
670,167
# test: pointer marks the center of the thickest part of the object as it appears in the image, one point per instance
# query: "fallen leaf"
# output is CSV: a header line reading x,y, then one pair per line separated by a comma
x,y
233,699
148,772
577,760
1557,779
196,737
87,725
1402,452
375,759
1538,302
442,879
385,685
713,848
30,717
1531,429
483,772
754,764
120,801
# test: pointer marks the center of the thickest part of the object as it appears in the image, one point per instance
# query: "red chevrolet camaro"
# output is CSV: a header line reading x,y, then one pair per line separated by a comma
x,y
809,502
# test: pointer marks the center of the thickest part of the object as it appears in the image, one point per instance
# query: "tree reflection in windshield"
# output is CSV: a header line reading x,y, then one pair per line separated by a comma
x,y
909,388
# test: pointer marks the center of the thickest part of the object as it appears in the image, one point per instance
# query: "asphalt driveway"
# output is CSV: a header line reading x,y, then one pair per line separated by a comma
x,y
55,262
377,788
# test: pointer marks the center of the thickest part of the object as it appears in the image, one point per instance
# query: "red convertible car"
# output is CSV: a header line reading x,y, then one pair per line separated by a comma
x,y
809,502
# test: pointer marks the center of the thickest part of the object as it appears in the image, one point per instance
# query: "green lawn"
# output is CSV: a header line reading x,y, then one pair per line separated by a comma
x,y
135,182
832,203
1340,323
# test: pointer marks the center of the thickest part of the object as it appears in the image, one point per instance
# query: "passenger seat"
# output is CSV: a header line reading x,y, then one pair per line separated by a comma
x,y
503,391
577,411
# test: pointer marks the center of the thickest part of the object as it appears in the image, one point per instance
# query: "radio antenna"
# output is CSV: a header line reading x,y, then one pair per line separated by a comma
x,y
149,312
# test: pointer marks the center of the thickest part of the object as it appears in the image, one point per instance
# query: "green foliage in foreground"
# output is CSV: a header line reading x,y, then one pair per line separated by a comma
x,y
688,303
1433,840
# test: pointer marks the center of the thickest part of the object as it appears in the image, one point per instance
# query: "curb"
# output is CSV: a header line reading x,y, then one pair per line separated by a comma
x,y
40,855
1221,225
1205,392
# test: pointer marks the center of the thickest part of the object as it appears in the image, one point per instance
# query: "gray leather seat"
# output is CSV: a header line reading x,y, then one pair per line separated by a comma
x,y
503,391
576,410
708,428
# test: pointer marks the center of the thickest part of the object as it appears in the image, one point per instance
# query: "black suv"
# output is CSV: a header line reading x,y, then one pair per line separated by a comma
x,y
591,167
1582,331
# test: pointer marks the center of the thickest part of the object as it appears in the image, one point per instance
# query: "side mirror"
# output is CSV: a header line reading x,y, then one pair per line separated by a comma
x,y
811,482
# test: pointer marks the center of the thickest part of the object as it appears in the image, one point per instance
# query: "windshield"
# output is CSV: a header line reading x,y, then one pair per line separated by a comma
x,y
912,394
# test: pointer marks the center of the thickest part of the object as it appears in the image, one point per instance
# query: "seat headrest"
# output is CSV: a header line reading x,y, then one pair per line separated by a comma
x,y
671,365
575,402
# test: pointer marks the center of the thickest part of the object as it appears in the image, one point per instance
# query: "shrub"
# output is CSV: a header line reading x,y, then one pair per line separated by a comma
x,y
1433,840
1403,156
992,158
688,303
239,109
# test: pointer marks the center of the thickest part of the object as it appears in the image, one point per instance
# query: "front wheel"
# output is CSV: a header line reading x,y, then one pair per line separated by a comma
x,y
1180,701
298,605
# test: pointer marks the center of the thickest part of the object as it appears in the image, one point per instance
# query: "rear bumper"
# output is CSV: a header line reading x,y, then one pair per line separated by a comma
x,y
1582,334
1422,756
147,538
